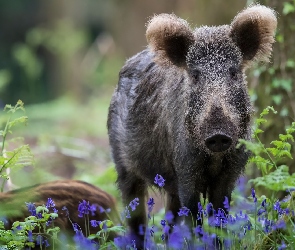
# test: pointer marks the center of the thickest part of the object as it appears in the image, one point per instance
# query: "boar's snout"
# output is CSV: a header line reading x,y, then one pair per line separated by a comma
x,y
218,142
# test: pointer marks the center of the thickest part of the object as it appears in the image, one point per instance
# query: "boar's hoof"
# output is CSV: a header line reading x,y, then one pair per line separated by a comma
x,y
218,142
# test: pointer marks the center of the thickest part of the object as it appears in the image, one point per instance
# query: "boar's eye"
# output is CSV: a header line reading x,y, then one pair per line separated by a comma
x,y
233,72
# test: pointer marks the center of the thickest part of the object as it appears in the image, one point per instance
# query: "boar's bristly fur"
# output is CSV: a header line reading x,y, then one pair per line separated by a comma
x,y
181,106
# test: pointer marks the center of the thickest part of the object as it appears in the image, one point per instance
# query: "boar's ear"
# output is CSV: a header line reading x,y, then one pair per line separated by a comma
x,y
169,37
253,32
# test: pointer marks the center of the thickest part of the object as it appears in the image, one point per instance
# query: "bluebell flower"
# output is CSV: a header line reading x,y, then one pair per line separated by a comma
x,y
266,224
226,204
76,227
150,203
209,208
159,180
39,240
134,203
280,224
227,243
183,211
282,246
219,219
127,213
208,240
199,231
277,206
94,223
50,203
84,243
46,243
261,211
125,242
92,209
263,203
163,223
253,195
179,235
83,208
169,216
31,208
64,208
30,236
141,230
152,231
134,244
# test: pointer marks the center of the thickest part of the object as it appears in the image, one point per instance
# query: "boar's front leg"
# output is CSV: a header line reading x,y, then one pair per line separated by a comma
x,y
220,187
173,204
133,187
189,195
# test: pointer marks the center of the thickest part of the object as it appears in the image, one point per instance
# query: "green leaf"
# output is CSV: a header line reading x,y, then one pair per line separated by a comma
x,y
288,8
286,137
278,180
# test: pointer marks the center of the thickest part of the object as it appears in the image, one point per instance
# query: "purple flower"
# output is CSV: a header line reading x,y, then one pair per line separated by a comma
x,y
283,246
152,231
141,230
277,207
183,211
83,242
64,208
253,195
134,203
45,242
227,243
30,236
209,208
31,208
126,213
261,211
199,231
76,227
226,204
94,223
150,203
92,209
39,240
163,223
280,224
50,203
125,242
83,208
159,180
179,236
169,216
263,204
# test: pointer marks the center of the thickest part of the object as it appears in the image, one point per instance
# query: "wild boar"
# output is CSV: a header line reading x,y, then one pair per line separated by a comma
x,y
180,107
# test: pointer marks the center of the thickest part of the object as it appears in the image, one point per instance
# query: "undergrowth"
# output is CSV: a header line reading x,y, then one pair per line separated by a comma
x,y
254,222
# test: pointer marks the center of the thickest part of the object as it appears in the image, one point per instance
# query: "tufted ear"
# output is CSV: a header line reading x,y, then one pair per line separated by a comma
x,y
253,32
170,37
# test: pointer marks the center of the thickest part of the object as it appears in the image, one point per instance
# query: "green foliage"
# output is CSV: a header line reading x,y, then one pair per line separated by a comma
x,y
267,158
17,157
289,7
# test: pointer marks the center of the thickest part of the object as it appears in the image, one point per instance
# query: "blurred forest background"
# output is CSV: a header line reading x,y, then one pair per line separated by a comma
x,y
62,58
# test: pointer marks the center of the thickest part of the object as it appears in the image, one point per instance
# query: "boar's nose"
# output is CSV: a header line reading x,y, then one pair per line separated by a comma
x,y
218,142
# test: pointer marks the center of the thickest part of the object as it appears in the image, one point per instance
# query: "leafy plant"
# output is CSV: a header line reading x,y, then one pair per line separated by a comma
x,y
13,157
267,158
